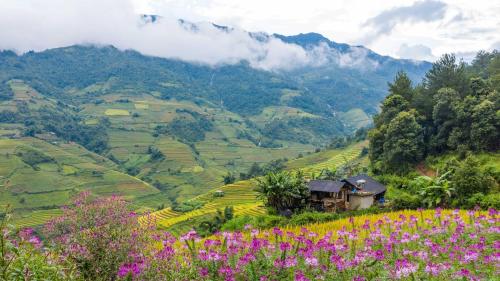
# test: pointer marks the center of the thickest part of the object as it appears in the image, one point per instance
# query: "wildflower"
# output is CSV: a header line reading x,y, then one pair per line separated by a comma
x,y
378,255
284,246
130,269
403,268
191,235
299,276
312,261
203,272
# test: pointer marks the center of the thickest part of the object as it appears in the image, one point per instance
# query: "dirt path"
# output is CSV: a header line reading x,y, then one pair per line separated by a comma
x,y
425,171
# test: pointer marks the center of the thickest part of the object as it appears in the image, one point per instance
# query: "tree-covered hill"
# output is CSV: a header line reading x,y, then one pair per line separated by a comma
x,y
446,128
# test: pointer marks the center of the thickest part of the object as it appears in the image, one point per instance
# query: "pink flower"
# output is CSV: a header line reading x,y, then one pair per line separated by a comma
x,y
203,272
312,261
132,269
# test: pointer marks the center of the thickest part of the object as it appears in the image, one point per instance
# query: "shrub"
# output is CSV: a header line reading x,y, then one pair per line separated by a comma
x,y
469,178
187,206
483,201
32,156
98,235
404,201
22,257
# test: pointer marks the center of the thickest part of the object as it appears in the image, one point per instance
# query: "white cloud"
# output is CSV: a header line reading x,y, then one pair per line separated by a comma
x,y
464,26
419,52
39,25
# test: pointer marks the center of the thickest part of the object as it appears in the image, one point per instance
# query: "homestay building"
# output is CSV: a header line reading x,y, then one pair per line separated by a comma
x,y
354,193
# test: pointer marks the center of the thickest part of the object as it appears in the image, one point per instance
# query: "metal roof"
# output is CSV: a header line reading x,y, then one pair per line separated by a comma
x,y
370,185
325,185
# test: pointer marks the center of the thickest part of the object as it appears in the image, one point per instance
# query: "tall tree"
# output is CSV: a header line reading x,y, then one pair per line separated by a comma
x,y
402,86
485,126
444,117
403,142
392,106
447,73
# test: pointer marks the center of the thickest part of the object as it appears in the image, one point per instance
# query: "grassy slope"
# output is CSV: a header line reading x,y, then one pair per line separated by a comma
x,y
241,195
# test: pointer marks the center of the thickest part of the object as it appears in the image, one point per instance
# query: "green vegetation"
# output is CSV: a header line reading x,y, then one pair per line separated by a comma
x,y
455,109
437,129
283,190
36,178
242,195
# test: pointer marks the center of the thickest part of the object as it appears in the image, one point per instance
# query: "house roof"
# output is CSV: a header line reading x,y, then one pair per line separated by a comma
x,y
325,185
370,185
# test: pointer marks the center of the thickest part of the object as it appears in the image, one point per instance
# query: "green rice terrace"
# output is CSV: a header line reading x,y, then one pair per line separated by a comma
x,y
154,151
242,196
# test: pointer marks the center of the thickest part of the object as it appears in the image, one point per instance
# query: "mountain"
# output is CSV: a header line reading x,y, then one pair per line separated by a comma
x,y
173,128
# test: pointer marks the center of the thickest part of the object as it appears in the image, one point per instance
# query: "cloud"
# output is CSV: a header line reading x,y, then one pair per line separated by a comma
x,y
418,52
40,24
496,46
421,11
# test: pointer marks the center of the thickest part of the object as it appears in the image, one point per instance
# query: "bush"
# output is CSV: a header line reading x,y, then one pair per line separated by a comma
x,y
312,217
22,257
483,201
404,201
98,235
400,182
32,156
187,206
469,178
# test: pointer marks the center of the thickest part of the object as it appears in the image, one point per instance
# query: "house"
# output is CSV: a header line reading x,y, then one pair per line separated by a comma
x,y
353,193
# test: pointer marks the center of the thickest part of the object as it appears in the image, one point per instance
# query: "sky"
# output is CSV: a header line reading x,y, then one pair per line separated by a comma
x,y
419,30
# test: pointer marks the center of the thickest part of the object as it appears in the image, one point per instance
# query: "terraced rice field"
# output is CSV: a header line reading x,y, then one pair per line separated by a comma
x,y
242,196
116,112
37,218
51,185
348,155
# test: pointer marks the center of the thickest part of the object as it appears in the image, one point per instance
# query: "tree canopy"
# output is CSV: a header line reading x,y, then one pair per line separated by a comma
x,y
455,108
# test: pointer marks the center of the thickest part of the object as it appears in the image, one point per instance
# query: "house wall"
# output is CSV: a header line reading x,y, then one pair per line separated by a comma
x,y
360,202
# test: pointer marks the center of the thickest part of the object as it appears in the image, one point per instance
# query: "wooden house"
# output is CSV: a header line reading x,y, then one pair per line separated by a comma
x,y
353,193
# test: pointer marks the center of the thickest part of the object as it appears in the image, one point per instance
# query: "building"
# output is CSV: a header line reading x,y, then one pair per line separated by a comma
x,y
353,193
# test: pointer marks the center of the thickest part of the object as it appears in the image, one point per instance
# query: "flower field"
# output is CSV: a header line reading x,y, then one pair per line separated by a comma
x,y
408,245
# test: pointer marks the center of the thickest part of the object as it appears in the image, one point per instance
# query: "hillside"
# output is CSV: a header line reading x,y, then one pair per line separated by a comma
x,y
37,178
242,196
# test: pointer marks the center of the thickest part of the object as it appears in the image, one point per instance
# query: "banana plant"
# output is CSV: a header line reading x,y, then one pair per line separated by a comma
x,y
434,191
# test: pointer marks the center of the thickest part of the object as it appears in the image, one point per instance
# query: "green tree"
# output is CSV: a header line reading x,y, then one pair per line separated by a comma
x,y
469,179
447,73
485,126
229,178
283,190
377,140
494,72
392,106
403,142
444,117
401,86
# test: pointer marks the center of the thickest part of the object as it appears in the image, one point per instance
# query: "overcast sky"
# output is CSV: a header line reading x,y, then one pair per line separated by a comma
x,y
422,29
